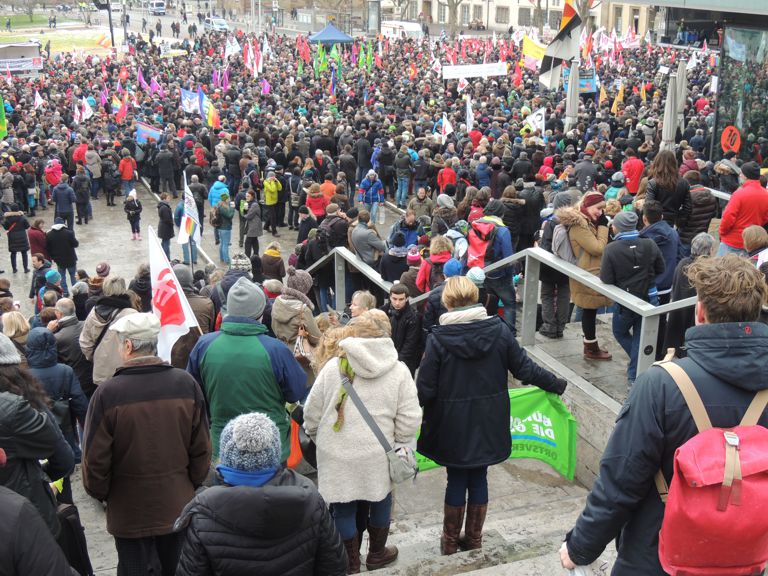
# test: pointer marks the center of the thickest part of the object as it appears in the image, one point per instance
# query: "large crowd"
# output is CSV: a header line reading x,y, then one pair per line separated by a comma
x,y
316,143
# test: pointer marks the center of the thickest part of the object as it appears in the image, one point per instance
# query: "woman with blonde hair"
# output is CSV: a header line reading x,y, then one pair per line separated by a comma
x,y
462,386
352,466
16,327
587,228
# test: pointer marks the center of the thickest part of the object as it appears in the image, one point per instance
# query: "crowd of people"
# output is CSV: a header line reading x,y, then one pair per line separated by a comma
x,y
295,145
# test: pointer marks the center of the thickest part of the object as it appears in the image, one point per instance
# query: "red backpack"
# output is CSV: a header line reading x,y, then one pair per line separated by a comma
x,y
715,521
480,238
475,213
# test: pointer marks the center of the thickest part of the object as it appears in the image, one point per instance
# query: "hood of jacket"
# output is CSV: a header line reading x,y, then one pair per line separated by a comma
x,y
142,285
469,340
571,216
274,510
370,357
733,352
659,232
41,348
286,309
701,196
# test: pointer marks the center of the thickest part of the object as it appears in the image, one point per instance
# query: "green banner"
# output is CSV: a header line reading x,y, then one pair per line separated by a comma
x,y
542,428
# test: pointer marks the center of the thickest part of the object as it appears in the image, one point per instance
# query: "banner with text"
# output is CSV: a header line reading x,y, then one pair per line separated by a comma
x,y
474,70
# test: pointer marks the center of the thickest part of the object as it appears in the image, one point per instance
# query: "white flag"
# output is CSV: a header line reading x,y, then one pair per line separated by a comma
x,y
77,116
169,303
87,111
190,221
437,66
447,127
470,115
265,49
537,120
38,100
463,83
232,47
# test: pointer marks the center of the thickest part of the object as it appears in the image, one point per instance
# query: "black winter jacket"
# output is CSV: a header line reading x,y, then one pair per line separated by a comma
x,y
632,265
68,352
406,334
462,385
547,273
61,242
676,204
165,224
282,528
726,363
16,225
703,209
28,436
26,544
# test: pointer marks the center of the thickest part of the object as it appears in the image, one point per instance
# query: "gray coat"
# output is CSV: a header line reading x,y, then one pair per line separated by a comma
x,y
253,218
366,242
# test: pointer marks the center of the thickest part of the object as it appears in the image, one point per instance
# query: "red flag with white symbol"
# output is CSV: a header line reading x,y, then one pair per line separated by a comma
x,y
169,303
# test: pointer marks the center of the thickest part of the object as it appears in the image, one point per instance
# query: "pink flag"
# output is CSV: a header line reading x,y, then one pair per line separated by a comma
x,y
215,79
169,304
265,87
142,82
225,80
103,95
155,87
119,88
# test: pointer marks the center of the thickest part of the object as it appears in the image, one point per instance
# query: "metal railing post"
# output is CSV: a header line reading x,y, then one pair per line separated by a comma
x,y
649,332
339,286
530,301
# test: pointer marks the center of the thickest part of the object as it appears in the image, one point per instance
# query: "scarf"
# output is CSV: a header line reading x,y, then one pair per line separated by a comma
x,y
235,477
465,315
398,251
346,370
272,252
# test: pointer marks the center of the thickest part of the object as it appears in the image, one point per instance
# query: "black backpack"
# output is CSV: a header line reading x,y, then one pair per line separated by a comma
x,y
261,151
72,539
436,275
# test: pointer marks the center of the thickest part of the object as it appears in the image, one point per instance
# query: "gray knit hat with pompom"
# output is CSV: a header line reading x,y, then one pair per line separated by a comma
x,y
251,443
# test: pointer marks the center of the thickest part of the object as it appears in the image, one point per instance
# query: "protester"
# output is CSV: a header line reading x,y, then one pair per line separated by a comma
x,y
748,205
132,208
60,242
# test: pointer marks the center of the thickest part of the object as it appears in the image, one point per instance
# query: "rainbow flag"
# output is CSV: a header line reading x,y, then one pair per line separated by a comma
x,y
115,104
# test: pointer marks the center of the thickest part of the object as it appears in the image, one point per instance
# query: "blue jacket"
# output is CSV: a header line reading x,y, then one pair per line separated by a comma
x,y
214,194
63,196
373,191
502,248
483,174
668,241
411,234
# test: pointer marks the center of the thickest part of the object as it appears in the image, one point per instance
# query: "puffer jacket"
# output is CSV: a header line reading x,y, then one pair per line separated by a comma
x,y
403,165
588,243
16,225
726,363
106,356
281,528
703,209
28,436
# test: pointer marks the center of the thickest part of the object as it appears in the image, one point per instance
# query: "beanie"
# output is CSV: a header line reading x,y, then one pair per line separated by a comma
x,y
250,443
625,221
52,277
452,267
240,262
751,170
413,258
477,275
398,240
8,352
246,299
592,199
102,270
444,201
299,280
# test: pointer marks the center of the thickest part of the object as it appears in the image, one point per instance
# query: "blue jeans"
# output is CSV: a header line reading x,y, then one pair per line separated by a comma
x,y
466,480
402,191
374,210
166,244
624,322
504,290
224,238
95,187
344,514
325,298
127,186
185,252
724,249
63,271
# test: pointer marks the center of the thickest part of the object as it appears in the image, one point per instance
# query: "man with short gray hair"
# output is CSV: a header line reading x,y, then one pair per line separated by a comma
x,y
147,448
66,329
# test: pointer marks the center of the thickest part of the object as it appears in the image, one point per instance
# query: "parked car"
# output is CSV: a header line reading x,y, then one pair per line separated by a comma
x,y
216,25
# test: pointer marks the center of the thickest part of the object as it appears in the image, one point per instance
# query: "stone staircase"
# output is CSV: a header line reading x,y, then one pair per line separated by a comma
x,y
530,510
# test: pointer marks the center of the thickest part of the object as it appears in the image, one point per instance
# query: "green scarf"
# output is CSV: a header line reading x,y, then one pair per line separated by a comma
x,y
346,370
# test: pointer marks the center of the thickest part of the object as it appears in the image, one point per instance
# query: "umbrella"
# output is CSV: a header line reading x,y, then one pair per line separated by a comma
x,y
572,98
682,92
669,128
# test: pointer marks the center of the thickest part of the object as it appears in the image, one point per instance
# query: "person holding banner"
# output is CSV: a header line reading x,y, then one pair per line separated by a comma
x,y
462,387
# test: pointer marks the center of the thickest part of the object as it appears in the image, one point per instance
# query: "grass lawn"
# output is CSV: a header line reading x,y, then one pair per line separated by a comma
x,y
19,20
61,41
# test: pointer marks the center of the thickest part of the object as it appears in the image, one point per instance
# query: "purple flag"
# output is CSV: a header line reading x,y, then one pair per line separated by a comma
x,y
119,88
215,78
142,82
225,79
104,99
155,87
265,87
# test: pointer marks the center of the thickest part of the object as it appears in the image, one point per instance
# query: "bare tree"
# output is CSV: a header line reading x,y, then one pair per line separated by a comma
x,y
401,7
453,15
584,6
539,15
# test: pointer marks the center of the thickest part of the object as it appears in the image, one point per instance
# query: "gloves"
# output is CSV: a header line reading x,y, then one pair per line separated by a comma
x,y
559,387
602,221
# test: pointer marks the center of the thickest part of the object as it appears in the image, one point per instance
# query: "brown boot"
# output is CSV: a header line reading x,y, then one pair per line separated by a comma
x,y
593,352
453,518
472,539
379,554
353,555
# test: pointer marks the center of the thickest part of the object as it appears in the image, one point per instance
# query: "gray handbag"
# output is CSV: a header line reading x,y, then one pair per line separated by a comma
x,y
402,462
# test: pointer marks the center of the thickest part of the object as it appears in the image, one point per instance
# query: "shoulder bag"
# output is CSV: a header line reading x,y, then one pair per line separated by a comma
x,y
402,462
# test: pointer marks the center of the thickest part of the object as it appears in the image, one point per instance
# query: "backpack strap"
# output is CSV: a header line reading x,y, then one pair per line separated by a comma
x,y
695,405
756,409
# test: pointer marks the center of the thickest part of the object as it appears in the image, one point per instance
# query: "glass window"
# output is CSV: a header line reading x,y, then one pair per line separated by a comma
x,y
502,15
442,13
617,14
464,14
477,12
554,19
523,16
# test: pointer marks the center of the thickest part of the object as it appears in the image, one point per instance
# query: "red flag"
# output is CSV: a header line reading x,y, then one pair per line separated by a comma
x,y
412,71
518,79
649,49
674,55
123,111
377,60
123,74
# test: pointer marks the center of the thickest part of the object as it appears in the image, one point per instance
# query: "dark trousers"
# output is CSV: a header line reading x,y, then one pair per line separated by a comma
x,y
251,246
504,290
270,218
23,260
68,217
82,212
281,214
243,224
589,323
466,484
293,216
154,555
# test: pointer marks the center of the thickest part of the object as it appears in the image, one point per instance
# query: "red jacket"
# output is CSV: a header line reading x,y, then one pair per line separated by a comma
x,y
423,278
747,206
446,176
633,173
126,168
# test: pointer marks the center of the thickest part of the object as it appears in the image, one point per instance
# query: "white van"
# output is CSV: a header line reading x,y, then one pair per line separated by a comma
x,y
157,7
397,29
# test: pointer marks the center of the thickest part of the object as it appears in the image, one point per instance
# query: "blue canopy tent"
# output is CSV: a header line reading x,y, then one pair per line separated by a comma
x,y
330,35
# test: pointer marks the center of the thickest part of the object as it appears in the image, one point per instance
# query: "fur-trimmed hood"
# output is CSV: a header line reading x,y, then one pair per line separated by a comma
x,y
571,216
